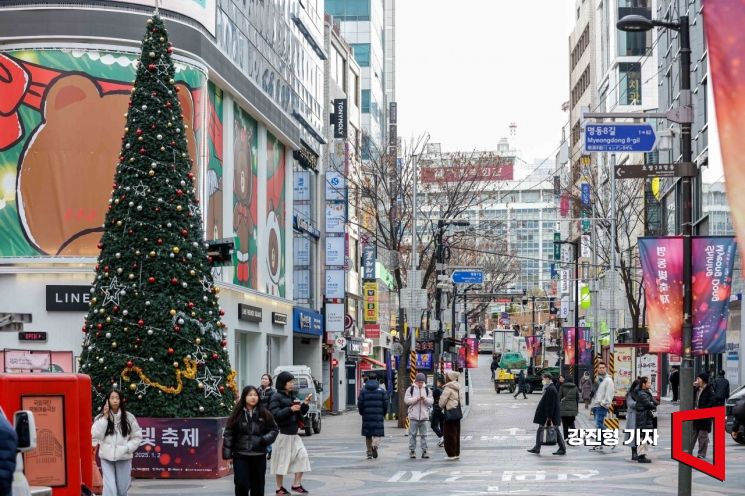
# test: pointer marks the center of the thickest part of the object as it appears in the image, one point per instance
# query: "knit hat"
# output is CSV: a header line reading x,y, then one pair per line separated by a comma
x,y
704,377
420,377
282,379
452,376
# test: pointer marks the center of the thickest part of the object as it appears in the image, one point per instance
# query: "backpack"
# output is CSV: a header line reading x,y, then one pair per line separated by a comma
x,y
426,390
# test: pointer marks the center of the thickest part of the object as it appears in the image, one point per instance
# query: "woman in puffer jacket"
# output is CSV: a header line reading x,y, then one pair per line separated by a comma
x,y
118,436
250,430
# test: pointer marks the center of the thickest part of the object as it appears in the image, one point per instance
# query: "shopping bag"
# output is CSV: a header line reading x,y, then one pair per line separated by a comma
x,y
548,435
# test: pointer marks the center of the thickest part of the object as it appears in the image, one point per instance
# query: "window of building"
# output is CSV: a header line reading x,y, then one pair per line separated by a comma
x,y
362,53
338,68
365,101
630,79
353,89
349,10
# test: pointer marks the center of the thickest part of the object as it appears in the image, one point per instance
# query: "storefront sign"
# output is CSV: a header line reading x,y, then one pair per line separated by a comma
x,y
354,346
335,247
301,186
305,321
335,317
372,331
301,248
336,217
300,223
32,336
26,360
335,186
249,313
335,284
370,295
68,298
279,318
368,263
339,119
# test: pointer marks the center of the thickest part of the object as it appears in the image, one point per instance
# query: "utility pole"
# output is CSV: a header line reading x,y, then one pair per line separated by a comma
x,y
440,262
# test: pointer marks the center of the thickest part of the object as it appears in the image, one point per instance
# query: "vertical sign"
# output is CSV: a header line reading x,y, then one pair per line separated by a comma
x,y
585,188
340,118
557,187
46,465
370,291
393,113
569,336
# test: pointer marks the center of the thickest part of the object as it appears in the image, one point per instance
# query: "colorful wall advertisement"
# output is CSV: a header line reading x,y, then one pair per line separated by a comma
x,y
662,266
180,448
45,465
725,40
713,261
625,357
275,217
214,152
245,213
61,121
568,335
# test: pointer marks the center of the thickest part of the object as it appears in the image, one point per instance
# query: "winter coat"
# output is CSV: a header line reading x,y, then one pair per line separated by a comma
x,y
115,447
279,406
372,404
703,399
8,446
250,435
548,407
721,391
266,395
644,406
521,380
494,364
569,397
450,395
418,410
675,379
436,395
604,394
585,387
631,409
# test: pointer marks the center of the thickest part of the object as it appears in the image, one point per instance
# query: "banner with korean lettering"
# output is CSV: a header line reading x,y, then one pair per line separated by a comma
x,y
533,345
472,353
180,448
662,268
585,346
713,260
568,344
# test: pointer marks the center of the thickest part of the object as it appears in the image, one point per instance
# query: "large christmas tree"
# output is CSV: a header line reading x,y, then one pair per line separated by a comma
x,y
154,327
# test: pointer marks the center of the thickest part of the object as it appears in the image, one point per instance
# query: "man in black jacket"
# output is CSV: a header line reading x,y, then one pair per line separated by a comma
x,y
721,389
372,405
675,382
703,398
8,445
494,365
548,416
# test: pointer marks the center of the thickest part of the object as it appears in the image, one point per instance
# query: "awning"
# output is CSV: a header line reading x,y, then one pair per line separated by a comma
x,y
372,361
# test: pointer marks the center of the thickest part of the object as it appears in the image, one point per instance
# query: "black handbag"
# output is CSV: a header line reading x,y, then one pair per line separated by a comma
x,y
454,414
548,435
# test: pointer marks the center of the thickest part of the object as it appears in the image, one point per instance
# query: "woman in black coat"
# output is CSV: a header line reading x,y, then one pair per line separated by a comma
x,y
645,404
372,404
548,414
250,430
437,417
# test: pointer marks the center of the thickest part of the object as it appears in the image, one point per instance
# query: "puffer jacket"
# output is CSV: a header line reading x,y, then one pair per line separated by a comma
x,y
372,404
115,447
631,409
450,396
8,445
286,419
418,410
644,405
569,397
266,395
250,435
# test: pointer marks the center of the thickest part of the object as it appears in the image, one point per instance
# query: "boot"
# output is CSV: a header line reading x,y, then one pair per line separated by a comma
x,y
643,459
535,450
634,456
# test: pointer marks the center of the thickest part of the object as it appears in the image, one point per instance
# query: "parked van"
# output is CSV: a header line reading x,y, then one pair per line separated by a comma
x,y
306,384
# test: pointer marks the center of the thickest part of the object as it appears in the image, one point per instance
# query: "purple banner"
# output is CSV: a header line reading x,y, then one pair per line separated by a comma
x,y
662,266
568,344
533,345
585,346
713,260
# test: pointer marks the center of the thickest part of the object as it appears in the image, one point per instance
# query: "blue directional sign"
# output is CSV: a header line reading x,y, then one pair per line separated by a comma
x,y
607,137
468,277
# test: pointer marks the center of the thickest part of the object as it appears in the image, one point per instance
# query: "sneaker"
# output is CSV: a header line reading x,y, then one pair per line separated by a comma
x,y
424,454
536,451
369,456
412,454
375,452
441,443
300,490
282,492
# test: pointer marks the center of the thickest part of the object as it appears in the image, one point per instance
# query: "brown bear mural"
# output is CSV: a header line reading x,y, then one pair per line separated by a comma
x,y
67,168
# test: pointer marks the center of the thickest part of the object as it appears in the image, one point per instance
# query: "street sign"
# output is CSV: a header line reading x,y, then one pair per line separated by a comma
x,y
654,170
340,343
614,137
468,277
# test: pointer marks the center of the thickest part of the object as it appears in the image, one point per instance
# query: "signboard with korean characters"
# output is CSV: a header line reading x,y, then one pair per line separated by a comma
x,y
335,249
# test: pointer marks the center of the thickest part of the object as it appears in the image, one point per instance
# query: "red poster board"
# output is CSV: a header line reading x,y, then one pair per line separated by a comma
x,y
45,466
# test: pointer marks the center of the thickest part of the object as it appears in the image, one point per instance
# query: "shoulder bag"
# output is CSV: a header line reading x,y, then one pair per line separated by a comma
x,y
454,414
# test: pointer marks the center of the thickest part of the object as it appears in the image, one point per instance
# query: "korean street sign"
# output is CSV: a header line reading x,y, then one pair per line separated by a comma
x,y
615,137
655,170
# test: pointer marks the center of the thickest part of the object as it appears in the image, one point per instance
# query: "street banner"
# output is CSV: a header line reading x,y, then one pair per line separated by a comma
x,y
472,353
713,261
533,345
585,346
568,345
725,40
662,267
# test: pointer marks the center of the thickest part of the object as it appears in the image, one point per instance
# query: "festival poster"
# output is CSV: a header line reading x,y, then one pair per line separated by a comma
x,y
245,215
46,464
62,112
568,344
472,353
274,264
662,267
725,41
585,346
713,260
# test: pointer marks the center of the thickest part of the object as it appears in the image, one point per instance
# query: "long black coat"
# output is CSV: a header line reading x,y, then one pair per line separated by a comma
x,y
286,419
548,407
372,405
251,434
644,405
706,400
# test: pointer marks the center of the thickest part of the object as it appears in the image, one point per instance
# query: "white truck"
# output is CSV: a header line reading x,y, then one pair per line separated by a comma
x,y
306,384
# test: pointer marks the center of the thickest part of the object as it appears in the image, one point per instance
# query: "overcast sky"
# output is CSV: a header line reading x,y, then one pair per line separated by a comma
x,y
466,69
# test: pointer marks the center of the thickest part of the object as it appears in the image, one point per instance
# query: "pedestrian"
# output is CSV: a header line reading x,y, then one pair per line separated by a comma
x,y
585,387
521,385
548,416
8,447
602,399
372,404
290,455
631,416
437,416
265,393
721,389
645,405
419,399
118,436
249,431
703,398
450,404
494,366
569,403
674,380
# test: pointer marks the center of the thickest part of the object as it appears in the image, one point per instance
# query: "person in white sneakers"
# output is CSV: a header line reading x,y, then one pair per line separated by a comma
x,y
603,398
419,399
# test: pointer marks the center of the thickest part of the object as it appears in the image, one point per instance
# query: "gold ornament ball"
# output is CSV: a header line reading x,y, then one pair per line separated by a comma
x,y
118,223
132,387
173,312
108,320
151,173
179,208
193,314
94,299
114,345
139,396
152,254
176,250
198,341
131,276
200,385
193,272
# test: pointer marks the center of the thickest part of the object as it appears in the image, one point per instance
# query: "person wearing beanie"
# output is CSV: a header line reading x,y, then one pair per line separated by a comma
x,y
451,407
289,454
419,399
703,398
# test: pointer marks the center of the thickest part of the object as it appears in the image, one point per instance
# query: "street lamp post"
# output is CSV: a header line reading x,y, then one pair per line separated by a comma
x,y
685,206
575,244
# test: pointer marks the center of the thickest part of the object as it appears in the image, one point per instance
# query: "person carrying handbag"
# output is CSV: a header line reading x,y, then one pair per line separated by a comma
x,y
548,417
451,407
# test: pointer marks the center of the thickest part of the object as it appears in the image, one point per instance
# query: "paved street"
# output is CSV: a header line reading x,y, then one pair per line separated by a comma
x,y
493,461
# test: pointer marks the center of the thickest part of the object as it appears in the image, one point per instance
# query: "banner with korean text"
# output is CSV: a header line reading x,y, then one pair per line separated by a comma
x,y
533,345
713,261
662,267
585,346
568,344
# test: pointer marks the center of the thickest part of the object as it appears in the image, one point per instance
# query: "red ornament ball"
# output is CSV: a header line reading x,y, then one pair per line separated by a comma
x,y
99,326
170,351
151,279
100,246
139,132
191,304
174,281
140,323
222,312
159,241
151,67
215,356
130,364
222,389
184,232
142,151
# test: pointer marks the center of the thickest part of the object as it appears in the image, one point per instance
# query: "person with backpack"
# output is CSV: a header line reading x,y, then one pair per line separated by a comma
x,y
372,405
419,400
721,389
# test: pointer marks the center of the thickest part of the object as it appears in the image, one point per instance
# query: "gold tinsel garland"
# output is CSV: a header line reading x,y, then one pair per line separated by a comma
x,y
190,372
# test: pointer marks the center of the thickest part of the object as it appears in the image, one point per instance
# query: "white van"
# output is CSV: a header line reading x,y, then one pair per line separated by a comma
x,y
306,384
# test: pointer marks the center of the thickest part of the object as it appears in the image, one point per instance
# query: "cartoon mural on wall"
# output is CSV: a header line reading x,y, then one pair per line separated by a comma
x,y
245,148
275,217
61,116
214,164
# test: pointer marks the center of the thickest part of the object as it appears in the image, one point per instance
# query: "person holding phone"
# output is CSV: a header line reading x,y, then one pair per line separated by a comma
x,y
118,436
289,454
